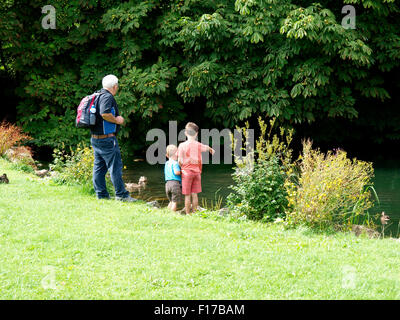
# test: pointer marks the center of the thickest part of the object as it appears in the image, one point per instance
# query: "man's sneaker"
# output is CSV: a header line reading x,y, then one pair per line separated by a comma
x,y
103,198
126,199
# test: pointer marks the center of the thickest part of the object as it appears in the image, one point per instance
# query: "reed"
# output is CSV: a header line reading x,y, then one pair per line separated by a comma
x,y
213,204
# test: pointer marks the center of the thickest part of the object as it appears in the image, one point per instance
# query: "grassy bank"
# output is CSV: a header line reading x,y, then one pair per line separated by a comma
x,y
110,250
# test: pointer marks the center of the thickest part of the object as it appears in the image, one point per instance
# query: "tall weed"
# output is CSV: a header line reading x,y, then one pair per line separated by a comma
x,y
260,178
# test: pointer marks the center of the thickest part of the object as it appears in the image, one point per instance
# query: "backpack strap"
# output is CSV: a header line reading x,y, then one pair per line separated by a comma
x,y
92,102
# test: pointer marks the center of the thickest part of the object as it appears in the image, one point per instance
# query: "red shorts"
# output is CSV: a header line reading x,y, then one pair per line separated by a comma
x,y
191,183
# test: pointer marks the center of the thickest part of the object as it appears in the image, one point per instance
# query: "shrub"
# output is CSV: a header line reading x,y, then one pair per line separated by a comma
x,y
75,168
332,191
259,192
10,136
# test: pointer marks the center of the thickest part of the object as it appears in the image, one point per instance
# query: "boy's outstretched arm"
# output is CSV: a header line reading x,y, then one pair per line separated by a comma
x,y
206,148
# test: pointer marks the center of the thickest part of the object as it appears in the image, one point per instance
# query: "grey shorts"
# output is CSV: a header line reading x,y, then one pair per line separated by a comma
x,y
173,189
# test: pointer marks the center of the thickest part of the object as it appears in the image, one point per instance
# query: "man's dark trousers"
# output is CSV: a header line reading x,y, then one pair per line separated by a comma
x,y
107,156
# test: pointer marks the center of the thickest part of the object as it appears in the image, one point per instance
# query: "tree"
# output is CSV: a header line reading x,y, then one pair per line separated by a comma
x,y
283,58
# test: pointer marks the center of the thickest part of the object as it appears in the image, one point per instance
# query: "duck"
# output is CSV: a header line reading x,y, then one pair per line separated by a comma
x,y
42,173
132,187
4,179
384,218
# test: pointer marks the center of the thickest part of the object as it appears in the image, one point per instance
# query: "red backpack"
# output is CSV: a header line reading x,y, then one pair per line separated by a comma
x,y
86,113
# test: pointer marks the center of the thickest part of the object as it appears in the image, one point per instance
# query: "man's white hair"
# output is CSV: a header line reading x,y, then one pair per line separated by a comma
x,y
109,81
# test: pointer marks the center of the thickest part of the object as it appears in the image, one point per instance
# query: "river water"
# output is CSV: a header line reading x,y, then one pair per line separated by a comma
x,y
216,180
387,186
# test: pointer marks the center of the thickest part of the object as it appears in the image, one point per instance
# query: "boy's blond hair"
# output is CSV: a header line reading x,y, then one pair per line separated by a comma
x,y
171,150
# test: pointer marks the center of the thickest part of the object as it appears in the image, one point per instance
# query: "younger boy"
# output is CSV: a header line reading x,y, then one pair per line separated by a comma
x,y
189,156
172,172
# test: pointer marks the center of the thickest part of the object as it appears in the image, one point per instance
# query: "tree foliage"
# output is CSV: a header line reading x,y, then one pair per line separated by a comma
x,y
284,58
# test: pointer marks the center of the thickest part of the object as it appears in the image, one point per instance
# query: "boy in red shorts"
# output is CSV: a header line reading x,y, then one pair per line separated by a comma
x,y
189,157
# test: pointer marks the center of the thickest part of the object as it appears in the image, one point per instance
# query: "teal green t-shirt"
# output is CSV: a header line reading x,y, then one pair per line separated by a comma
x,y
169,168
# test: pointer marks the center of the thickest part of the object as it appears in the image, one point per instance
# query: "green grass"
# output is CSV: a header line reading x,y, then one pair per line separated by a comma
x,y
112,250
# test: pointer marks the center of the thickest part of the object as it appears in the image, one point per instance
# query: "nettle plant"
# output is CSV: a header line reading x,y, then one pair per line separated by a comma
x,y
261,177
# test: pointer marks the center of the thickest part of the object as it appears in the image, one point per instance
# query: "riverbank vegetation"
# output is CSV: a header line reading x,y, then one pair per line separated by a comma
x,y
323,191
319,190
331,190
259,192
59,243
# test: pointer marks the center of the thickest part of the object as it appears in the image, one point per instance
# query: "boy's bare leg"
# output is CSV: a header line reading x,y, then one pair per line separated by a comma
x,y
169,205
174,206
187,203
195,202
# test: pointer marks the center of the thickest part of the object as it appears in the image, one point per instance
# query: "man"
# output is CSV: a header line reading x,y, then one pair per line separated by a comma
x,y
107,155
